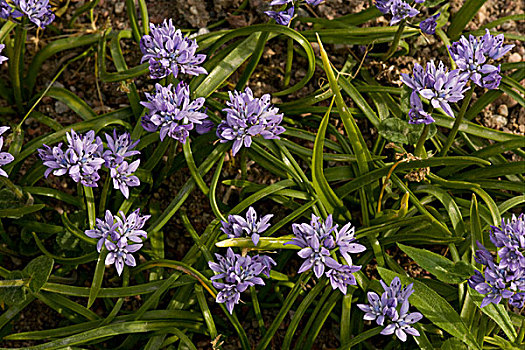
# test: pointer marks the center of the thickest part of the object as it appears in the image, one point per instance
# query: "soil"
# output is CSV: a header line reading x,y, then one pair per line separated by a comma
x,y
505,114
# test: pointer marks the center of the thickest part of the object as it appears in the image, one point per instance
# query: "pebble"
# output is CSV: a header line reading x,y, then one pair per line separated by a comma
x,y
503,110
61,107
499,120
119,7
515,57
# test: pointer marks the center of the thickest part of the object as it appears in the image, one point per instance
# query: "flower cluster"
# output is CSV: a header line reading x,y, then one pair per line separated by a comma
x,y
85,156
121,236
436,84
172,110
284,17
392,306
5,157
397,8
2,58
120,148
238,273
317,240
168,52
37,11
237,226
506,279
246,117
472,55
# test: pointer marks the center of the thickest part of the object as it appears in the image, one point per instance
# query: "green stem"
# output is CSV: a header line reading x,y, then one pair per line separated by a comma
x,y
104,195
257,309
17,63
419,151
457,123
395,43
90,206
521,334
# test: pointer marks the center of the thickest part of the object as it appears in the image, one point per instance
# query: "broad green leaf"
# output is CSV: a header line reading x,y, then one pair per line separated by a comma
x,y
439,266
38,271
12,290
434,308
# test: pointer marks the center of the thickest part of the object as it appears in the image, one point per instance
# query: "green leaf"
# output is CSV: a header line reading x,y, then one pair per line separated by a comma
x,y
38,270
441,267
463,16
98,277
434,308
395,130
319,182
13,293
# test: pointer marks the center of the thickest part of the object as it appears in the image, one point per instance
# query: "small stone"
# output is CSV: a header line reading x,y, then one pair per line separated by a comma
x,y
499,120
194,11
61,107
503,110
515,57
119,7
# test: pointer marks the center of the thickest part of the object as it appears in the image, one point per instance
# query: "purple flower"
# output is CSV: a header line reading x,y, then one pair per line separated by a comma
x,y
123,177
511,258
266,262
168,52
81,160
118,230
304,233
317,242
115,232
316,257
447,87
120,255
104,229
511,232
397,8
282,17
314,2
471,57
37,11
2,58
392,308
517,300
401,323
493,284
5,157
396,290
378,308
239,273
280,2
247,117
120,148
344,238
429,25
237,226
341,276
130,227
417,113
228,294
173,111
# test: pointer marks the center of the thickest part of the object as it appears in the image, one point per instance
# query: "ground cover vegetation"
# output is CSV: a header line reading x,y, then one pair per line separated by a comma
x,y
343,210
